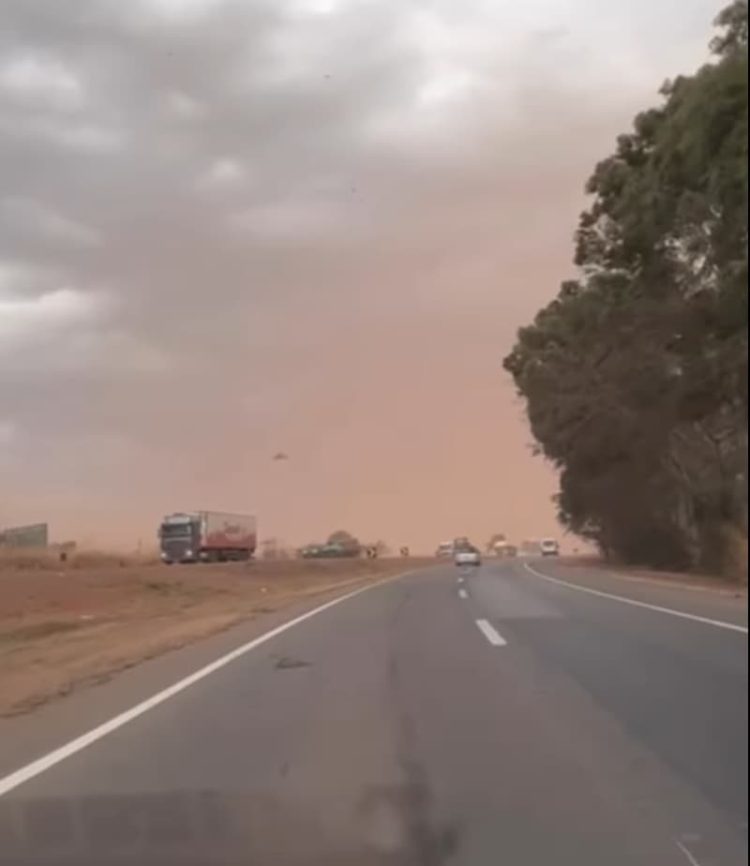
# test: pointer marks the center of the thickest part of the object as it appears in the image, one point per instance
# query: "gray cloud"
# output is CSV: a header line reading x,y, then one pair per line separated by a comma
x,y
223,223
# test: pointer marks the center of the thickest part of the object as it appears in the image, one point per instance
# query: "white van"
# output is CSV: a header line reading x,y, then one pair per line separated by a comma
x,y
549,547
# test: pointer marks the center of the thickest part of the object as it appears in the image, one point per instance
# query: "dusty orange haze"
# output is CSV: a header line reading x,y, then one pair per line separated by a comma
x,y
369,348
403,425
398,419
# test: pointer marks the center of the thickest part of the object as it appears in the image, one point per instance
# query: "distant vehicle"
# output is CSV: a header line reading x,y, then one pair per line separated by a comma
x,y
207,536
467,555
445,549
503,549
328,551
549,547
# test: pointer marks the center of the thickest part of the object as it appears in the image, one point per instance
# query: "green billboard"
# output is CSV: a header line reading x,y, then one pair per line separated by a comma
x,y
34,535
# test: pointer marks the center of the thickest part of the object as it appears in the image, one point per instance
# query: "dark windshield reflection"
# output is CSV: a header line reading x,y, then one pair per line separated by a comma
x,y
211,828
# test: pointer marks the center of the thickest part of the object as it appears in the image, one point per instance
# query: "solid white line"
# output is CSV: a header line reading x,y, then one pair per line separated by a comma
x,y
688,853
668,610
462,593
35,768
493,636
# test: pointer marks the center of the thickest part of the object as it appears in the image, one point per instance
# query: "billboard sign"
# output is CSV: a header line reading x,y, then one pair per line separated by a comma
x,y
35,535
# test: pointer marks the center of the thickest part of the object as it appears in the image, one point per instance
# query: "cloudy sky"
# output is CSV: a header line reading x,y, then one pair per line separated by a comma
x,y
233,228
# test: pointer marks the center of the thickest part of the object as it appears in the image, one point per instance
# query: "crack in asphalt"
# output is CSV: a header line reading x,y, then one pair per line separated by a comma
x,y
424,844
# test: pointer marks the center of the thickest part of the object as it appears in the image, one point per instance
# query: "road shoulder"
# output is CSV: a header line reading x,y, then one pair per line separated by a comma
x,y
730,608
23,738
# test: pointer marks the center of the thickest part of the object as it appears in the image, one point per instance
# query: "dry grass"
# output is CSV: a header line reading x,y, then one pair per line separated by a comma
x,y
34,559
76,624
732,580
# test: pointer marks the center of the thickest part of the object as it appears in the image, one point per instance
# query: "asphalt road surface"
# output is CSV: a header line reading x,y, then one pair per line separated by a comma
x,y
483,717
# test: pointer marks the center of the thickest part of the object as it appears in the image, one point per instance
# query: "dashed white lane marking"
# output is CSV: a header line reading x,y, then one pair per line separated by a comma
x,y
35,768
668,610
492,635
462,593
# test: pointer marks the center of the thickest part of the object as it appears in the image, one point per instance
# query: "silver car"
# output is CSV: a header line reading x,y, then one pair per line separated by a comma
x,y
467,556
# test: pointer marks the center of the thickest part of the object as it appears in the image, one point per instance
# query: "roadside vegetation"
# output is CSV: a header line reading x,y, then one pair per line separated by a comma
x,y
50,559
635,376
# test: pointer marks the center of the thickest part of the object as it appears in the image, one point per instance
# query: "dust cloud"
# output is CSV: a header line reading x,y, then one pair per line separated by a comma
x,y
231,229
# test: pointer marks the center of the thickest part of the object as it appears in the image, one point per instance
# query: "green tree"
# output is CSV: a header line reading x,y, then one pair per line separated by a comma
x,y
345,539
635,376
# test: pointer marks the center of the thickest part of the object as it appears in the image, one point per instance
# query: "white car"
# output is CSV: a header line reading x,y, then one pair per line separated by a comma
x,y
467,556
549,547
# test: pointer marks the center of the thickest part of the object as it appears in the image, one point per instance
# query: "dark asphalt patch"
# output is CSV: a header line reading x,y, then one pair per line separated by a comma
x,y
285,663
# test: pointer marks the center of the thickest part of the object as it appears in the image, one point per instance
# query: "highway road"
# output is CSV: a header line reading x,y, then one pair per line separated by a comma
x,y
521,713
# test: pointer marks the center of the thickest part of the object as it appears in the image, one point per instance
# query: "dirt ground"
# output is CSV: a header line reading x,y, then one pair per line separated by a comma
x,y
689,580
68,626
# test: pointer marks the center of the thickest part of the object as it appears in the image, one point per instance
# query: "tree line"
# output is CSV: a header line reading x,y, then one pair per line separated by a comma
x,y
635,376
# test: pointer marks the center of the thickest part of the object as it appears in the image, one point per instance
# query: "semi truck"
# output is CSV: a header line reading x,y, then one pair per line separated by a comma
x,y
207,536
